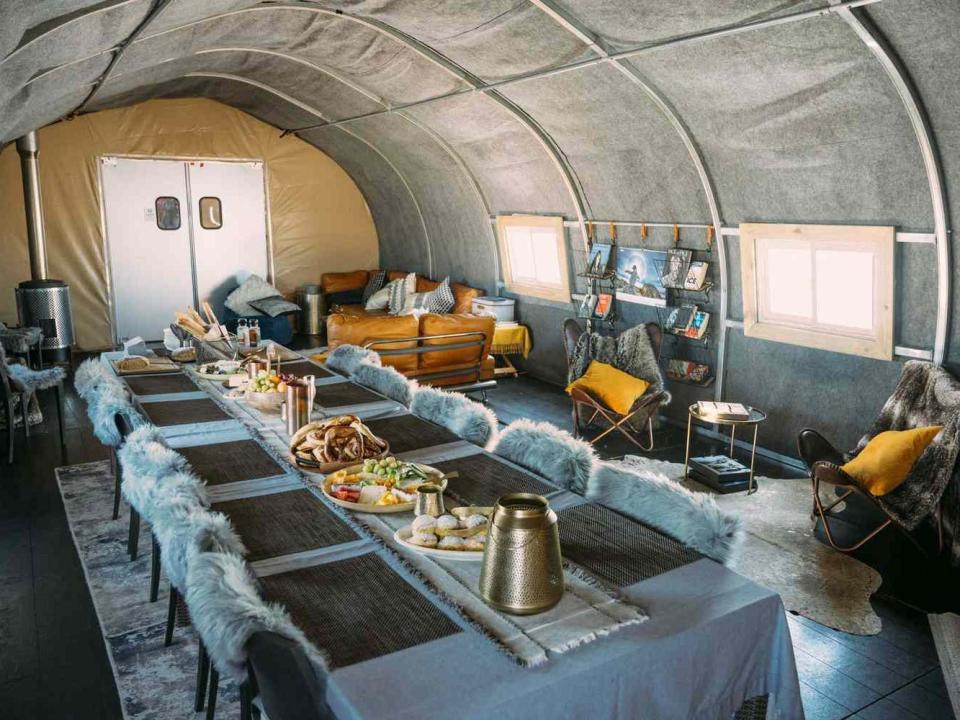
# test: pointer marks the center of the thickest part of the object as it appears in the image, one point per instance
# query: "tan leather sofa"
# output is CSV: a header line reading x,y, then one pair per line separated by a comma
x,y
353,325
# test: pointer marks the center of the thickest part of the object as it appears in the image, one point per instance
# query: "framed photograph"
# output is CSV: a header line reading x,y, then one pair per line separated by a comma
x,y
598,261
587,306
604,305
639,276
675,270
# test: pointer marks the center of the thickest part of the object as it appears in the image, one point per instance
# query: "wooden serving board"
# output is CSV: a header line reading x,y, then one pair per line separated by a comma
x,y
157,365
327,468
437,477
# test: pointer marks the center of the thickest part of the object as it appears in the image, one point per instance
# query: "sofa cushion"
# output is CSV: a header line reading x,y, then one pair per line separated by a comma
x,y
395,275
380,300
338,282
400,290
442,299
463,296
432,325
425,284
343,329
253,288
377,280
274,306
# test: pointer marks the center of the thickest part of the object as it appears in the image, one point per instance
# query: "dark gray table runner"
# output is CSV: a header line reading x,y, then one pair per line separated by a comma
x,y
283,523
183,412
304,367
408,432
618,549
344,393
229,462
358,609
160,384
484,478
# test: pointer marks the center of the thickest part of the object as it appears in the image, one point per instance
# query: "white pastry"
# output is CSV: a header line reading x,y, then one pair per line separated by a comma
x,y
451,542
447,522
474,521
424,524
423,539
475,542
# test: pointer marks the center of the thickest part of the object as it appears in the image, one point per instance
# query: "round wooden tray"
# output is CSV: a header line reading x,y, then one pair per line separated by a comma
x,y
440,478
402,536
327,468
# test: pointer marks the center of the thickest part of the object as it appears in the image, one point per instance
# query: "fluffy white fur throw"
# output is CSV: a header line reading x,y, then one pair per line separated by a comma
x,y
386,381
183,528
347,358
548,451
90,374
459,414
227,610
650,497
106,402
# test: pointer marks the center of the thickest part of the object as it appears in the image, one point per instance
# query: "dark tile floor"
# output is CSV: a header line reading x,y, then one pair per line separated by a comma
x,y
894,675
53,663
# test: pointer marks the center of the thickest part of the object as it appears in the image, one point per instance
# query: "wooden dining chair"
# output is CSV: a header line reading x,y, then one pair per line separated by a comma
x,y
641,414
21,383
290,686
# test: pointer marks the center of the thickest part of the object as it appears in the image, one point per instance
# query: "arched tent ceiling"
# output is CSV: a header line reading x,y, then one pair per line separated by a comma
x,y
446,112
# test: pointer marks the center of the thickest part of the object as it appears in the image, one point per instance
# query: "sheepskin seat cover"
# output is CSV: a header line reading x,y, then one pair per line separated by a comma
x,y
385,380
146,462
548,451
25,380
459,414
89,375
106,402
226,610
184,528
692,518
347,358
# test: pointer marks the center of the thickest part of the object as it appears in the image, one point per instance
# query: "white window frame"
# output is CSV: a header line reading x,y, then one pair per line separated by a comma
x,y
530,286
760,323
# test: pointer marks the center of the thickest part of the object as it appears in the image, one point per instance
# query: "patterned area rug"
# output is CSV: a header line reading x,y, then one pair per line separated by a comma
x,y
154,682
781,552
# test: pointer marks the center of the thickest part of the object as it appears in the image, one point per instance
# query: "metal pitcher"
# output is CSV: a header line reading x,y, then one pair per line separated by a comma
x,y
298,403
522,571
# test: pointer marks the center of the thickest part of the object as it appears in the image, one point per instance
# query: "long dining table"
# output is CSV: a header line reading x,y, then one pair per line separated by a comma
x,y
710,640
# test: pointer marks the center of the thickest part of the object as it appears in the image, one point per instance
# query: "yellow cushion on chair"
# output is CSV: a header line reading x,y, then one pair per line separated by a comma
x,y
886,460
614,388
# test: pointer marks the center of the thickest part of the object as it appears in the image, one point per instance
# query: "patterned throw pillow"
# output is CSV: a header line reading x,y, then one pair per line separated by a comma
x,y
417,303
399,290
377,278
441,300
380,300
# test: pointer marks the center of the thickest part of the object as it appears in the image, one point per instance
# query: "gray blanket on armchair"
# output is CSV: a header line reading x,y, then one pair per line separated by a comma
x,y
630,351
925,395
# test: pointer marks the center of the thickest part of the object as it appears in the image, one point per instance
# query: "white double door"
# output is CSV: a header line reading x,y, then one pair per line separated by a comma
x,y
179,233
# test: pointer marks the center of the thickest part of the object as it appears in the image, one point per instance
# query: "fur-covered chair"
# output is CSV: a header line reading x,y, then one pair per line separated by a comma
x,y
636,352
548,451
346,358
457,413
89,375
385,380
925,395
228,612
19,381
692,518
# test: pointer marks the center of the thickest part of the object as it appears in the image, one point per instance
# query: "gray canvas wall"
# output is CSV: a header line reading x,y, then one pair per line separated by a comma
x,y
794,122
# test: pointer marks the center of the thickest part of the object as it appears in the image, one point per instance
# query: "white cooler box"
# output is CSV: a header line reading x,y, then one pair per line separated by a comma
x,y
500,307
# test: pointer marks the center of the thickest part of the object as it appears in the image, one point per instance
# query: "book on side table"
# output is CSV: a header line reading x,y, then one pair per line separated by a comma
x,y
722,410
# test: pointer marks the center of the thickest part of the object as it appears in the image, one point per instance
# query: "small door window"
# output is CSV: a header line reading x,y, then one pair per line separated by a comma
x,y
210,213
168,213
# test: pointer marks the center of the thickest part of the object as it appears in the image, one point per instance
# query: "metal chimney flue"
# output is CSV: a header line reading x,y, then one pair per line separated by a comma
x,y
29,152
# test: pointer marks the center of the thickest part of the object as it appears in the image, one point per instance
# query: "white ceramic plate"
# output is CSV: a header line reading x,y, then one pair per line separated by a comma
x,y
402,536
436,477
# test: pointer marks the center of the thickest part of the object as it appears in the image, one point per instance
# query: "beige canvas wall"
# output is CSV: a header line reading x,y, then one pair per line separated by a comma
x,y
319,220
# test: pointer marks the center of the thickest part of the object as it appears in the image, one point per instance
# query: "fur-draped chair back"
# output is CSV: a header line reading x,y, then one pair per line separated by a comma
x,y
925,395
106,403
89,375
226,609
694,519
26,380
548,451
457,413
147,464
385,380
346,358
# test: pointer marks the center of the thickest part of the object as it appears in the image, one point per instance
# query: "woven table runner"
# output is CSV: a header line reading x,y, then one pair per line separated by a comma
x,y
284,523
484,478
345,393
618,550
160,384
408,432
304,367
183,412
357,609
229,462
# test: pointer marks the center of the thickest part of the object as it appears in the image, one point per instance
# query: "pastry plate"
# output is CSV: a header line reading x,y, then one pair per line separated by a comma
x,y
402,536
327,468
437,477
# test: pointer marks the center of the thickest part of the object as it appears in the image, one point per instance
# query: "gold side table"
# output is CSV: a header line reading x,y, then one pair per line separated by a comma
x,y
756,417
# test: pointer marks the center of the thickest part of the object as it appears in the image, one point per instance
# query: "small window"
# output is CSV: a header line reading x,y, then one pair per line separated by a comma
x,y
168,213
823,286
533,251
210,217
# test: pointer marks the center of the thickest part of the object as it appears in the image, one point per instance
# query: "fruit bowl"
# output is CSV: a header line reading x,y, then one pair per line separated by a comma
x,y
265,401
